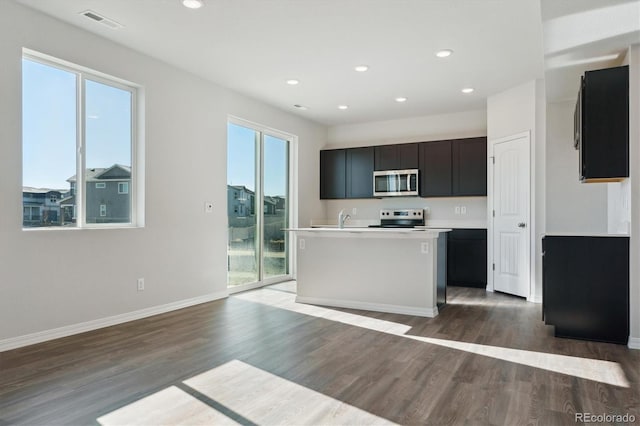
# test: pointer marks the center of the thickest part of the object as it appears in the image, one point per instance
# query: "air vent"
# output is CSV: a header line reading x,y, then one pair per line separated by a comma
x,y
96,17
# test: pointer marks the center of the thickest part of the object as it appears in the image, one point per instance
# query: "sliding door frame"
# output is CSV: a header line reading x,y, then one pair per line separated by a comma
x,y
292,201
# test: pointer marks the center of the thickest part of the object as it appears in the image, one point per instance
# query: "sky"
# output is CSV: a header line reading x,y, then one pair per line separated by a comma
x,y
49,125
241,159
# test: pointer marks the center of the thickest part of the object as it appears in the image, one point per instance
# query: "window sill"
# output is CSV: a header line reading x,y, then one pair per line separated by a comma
x,y
84,228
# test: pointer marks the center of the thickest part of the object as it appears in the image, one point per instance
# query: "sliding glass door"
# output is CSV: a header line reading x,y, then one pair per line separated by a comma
x,y
258,206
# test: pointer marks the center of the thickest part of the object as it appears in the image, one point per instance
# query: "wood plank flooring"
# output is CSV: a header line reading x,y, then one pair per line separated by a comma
x,y
260,358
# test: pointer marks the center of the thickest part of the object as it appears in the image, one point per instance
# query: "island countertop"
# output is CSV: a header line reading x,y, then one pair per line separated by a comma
x,y
373,232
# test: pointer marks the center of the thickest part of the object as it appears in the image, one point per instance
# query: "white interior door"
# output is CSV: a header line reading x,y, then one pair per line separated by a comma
x,y
511,235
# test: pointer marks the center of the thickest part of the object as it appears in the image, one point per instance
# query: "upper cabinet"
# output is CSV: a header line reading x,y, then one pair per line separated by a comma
x,y
346,173
454,168
396,157
449,168
469,166
332,174
359,169
602,125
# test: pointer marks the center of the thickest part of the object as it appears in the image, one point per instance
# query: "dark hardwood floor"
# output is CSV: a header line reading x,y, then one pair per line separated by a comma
x,y
259,358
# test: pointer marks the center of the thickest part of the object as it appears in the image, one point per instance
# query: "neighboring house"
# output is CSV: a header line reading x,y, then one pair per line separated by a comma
x,y
240,201
107,195
40,206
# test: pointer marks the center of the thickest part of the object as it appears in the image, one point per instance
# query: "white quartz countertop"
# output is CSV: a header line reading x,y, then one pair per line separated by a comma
x,y
409,232
429,224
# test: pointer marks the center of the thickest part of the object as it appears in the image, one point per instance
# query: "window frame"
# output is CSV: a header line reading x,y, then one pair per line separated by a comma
x,y
136,201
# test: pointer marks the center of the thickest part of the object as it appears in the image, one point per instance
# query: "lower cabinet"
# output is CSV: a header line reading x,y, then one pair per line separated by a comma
x,y
585,287
467,258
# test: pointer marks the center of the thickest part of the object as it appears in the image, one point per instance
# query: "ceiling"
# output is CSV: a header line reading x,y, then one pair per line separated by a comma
x,y
581,35
254,46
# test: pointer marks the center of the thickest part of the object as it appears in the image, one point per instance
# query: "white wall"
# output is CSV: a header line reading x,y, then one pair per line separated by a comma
x,y
57,278
571,206
517,110
415,129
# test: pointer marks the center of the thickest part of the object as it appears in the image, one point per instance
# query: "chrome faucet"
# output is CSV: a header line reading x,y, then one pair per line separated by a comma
x,y
342,218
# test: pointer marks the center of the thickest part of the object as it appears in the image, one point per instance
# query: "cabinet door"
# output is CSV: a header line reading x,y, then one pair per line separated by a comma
x,y
435,168
359,171
332,174
605,124
586,287
396,157
386,157
408,156
467,258
470,166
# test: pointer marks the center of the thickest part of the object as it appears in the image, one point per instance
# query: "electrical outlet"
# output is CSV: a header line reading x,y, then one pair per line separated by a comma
x,y
424,247
457,210
354,211
140,284
301,244
208,207
463,210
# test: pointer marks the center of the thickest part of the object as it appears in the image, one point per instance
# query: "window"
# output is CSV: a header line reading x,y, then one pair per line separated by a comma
x,y
58,99
123,187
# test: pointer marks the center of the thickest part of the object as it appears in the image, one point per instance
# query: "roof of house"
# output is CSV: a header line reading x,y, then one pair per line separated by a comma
x,y
32,190
103,173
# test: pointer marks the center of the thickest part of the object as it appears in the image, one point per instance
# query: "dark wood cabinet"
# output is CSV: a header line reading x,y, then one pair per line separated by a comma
x,y
455,167
467,258
435,169
469,167
601,125
332,174
396,157
585,292
359,172
346,173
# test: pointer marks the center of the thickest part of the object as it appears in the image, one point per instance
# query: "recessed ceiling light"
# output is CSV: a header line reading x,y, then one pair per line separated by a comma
x,y
293,82
193,4
361,68
444,53
467,90
401,99
302,107
343,106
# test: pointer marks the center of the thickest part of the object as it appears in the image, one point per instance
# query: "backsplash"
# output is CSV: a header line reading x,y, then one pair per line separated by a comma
x,y
439,208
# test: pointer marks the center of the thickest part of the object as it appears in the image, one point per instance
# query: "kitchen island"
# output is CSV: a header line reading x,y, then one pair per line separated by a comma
x,y
377,269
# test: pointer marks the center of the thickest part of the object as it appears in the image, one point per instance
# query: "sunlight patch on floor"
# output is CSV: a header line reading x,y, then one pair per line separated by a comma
x,y
264,398
170,406
591,369
280,299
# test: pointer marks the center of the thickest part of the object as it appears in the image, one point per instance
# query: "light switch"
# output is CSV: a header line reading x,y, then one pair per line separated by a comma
x,y
301,244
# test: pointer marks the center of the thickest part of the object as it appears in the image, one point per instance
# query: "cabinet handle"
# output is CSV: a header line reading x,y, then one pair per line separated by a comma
x,y
522,225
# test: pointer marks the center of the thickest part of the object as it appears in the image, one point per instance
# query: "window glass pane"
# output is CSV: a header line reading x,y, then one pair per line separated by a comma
x,y
241,197
276,205
108,137
48,143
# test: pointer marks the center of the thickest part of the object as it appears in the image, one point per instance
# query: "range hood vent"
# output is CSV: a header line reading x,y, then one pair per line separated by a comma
x,y
96,17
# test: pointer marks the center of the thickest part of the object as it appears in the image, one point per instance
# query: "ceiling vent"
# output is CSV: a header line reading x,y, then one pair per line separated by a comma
x,y
96,17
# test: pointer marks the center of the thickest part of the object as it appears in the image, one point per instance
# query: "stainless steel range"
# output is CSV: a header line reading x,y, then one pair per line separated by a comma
x,y
400,218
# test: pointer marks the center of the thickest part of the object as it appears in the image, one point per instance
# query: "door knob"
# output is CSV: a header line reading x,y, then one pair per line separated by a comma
x,y
522,225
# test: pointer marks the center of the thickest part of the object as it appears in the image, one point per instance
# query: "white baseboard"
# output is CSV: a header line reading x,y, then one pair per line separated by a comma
x,y
56,333
634,343
365,306
534,299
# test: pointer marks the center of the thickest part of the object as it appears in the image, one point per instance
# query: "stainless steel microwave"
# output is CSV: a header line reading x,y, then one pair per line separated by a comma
x,y
395,183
